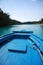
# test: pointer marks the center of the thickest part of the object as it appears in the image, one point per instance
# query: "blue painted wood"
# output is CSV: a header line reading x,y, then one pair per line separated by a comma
x,y
11,35
6,37
19,46
31,57
37,41
23,31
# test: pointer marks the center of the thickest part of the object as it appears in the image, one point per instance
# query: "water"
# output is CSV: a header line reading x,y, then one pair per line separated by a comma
x,y
37,29
18,58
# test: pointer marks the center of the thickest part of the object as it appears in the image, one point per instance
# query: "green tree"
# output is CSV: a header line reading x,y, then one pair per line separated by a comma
x,y
4,18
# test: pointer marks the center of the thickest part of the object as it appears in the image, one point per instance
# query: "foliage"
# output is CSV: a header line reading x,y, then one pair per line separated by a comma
x,y
5,19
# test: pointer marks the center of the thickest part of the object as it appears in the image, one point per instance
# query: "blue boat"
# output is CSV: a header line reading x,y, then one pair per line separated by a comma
x,y
21,48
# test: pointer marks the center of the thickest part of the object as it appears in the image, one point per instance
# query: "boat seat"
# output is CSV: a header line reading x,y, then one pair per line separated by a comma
x,y
20,48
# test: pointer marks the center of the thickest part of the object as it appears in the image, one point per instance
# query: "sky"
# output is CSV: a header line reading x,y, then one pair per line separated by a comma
x,y
23,10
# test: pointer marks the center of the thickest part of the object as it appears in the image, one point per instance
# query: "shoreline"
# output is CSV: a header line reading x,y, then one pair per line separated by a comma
x,y
25,24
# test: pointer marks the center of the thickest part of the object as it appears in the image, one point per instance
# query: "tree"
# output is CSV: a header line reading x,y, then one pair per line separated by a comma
x,y
4,18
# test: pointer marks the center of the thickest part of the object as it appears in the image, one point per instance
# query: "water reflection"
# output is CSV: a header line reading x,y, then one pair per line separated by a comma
x,y
37,29
4,30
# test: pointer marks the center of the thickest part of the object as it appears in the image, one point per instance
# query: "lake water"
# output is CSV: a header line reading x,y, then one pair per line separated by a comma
x,y
37,29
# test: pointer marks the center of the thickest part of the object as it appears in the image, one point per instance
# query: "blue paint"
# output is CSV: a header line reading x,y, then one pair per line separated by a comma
x,y
20,45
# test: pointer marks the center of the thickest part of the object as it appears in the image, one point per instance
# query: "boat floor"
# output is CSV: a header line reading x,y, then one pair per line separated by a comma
x,y
19,52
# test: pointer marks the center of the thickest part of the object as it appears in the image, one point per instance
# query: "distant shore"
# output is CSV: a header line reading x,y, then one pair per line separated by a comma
x,y
5,20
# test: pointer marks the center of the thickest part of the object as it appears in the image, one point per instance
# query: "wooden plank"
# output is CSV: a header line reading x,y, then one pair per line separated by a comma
x,y
37,41
23,31
18,45
18,48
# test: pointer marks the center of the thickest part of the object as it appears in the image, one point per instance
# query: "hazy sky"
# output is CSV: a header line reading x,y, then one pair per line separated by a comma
x,y
23,10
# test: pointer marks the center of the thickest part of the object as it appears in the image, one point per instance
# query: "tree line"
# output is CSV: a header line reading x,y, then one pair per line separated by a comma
x,y
5,19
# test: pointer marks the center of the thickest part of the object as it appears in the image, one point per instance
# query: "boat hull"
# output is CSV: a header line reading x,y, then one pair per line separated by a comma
x,y
18,49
